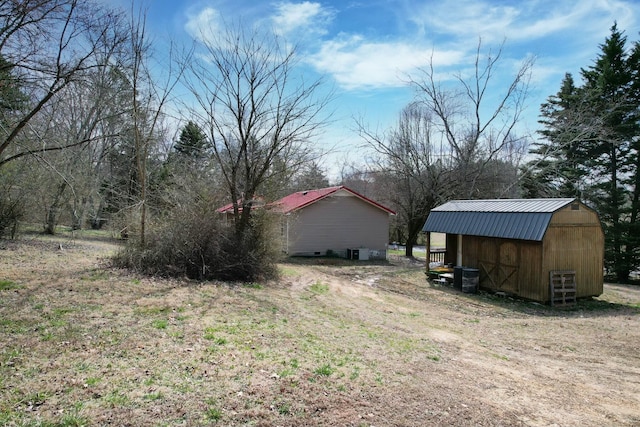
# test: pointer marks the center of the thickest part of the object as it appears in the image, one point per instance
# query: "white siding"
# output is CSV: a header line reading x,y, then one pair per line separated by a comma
x,y
337,223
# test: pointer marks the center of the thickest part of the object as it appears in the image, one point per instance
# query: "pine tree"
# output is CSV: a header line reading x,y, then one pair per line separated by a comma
x,y
610,155
11,96
557,170
192,142
591,147
633,239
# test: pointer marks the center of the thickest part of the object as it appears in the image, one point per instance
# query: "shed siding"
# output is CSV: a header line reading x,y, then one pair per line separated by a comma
x,y
582,216
511,266
565,249
575,241
533,285
337,223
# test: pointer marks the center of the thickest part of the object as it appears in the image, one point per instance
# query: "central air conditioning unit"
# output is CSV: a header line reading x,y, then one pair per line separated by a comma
x,y
360,254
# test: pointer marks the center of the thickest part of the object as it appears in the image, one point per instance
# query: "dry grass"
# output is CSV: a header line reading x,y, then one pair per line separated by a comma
x,y
333,343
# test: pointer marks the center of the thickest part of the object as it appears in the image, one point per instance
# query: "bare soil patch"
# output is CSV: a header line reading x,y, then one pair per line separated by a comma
x,y
333,343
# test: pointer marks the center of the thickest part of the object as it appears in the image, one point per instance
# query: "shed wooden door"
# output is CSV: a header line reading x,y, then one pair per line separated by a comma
x,y
487,261
508,267
498,260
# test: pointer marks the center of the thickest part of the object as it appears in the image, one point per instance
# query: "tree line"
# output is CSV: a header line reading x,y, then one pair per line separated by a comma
x,y
93,134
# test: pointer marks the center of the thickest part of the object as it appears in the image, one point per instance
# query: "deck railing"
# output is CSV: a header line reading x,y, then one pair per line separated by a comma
x,y
437,255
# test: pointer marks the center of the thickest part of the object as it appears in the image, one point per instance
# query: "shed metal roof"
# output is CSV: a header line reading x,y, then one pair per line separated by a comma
x,y
524,219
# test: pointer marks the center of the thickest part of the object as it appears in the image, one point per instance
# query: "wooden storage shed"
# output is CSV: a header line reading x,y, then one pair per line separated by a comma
x,y
520,246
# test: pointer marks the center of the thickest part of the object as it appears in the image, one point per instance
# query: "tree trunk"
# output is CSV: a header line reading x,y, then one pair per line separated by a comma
x,y
408,250
54,210
52,216
414,229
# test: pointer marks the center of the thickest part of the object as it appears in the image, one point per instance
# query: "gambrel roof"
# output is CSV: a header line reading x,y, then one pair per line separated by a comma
x,y
524,219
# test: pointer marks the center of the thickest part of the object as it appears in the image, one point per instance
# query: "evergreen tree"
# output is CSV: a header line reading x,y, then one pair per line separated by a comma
x,y
591,147
11,96
311,177
192,142
557,170
633,231
610,155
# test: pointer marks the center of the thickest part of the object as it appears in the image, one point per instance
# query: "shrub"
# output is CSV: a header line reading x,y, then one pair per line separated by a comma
x,y
197,243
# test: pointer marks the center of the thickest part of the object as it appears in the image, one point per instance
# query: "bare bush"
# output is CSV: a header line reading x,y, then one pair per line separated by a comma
x,y
11,211
200,245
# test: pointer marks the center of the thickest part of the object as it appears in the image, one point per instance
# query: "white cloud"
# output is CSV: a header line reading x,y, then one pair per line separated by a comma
x,y
356,63
451,28
524,21
204,25
564,35
597,16
465,19
306,16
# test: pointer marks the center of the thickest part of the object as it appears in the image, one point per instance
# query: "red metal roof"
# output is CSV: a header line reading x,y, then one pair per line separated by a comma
x,y
225,208
228,208
301,199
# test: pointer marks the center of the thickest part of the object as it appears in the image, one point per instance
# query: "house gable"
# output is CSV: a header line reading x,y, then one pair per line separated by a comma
x,y
302,199
333,219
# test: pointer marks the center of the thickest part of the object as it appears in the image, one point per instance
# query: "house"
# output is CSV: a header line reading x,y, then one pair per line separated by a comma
x,y
227,210
333,220
524,247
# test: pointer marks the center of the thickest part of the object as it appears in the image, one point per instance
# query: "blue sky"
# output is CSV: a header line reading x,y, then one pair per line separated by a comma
x,y
366,49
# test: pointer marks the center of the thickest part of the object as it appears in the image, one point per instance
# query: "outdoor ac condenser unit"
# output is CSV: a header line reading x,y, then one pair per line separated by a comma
x,y
361,254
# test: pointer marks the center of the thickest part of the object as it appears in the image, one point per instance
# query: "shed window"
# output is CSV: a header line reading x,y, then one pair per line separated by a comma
x,y
575,207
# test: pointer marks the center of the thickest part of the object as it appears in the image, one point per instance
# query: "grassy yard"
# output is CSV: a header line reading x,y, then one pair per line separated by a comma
x,y
333,343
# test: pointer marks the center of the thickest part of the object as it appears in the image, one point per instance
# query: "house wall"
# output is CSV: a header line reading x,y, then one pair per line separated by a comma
x,y
575,241
337,223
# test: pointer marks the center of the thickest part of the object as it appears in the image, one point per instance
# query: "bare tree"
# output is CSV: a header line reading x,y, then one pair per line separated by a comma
x,y
411,166
83,113
72,117
66,183
477,117
149,95
48,44
259,114
449,143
